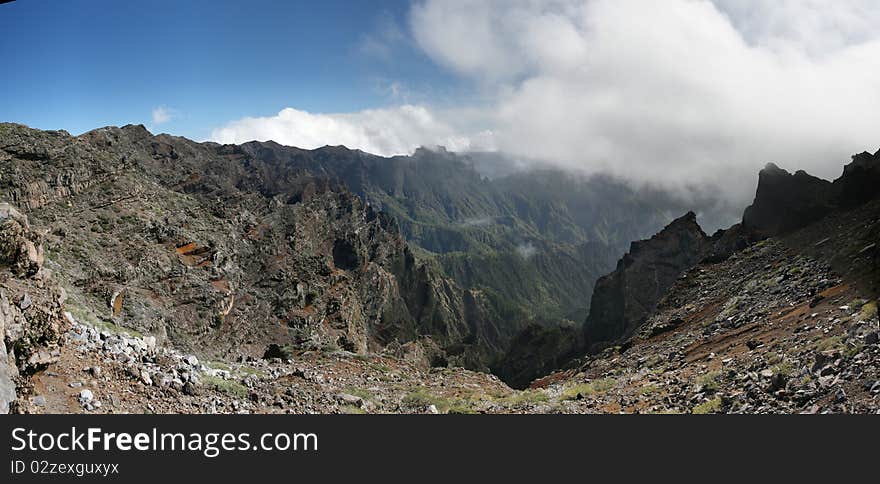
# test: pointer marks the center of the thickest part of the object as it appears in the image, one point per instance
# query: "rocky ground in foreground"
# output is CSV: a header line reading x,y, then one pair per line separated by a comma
x,y
767,331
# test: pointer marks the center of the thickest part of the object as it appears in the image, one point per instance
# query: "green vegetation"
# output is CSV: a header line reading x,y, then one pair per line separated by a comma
x,y
868,311
246,370
523,398
712,406
837,343
423,398
585,389
351,410
462,407
381,368
87,317
649,389
362,393
785,368
218,365
831,343
709,381
240,370
852,350
229,387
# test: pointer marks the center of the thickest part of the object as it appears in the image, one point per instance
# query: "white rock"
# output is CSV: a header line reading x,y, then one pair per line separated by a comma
x,y
86,396
145,377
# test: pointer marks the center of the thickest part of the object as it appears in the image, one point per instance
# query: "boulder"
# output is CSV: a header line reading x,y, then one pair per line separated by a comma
x,y
21,249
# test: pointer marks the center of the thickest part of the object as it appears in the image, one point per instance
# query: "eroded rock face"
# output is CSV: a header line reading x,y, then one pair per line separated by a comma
x,y
20,247
860,181
623,299
225,253
785,202
31,319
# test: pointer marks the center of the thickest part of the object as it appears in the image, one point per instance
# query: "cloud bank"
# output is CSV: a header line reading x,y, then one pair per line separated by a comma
x,y
392,131
674,92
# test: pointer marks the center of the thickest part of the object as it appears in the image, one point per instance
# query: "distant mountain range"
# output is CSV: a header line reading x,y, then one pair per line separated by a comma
x,y
260,254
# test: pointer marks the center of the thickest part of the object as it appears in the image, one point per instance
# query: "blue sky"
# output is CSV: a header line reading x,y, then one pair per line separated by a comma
x,y
679,93
82,64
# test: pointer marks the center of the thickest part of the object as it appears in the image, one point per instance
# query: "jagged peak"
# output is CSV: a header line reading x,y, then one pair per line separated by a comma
x,y
136,128
773,169
686,221
23,129
864,160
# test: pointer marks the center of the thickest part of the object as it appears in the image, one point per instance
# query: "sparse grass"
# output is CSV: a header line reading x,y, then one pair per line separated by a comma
x,y
774,358
351,410
712,406
868,311
87,316
666,411
423,398
116,329
229,387
592,388
330,348
856,304
523,397
837,343
828,344
649,389
362,393
246,371
218,365
852,350
784,368
731,307
241,370
709,381
654,361
462,407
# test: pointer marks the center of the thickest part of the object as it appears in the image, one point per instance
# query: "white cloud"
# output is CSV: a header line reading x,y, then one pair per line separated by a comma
x,y
162,115
392,131
671,91
675,92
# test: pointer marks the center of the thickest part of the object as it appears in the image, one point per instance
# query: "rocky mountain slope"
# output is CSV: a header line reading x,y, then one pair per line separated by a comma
x,y
168,237
531,242
155,274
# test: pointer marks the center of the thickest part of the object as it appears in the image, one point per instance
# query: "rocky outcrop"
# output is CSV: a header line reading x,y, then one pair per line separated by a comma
x,y
785,202
623,299
859,182
31,319
21,248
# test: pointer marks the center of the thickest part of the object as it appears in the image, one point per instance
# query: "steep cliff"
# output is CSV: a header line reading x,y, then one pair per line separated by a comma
x,y
31,303
623,299
204,246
